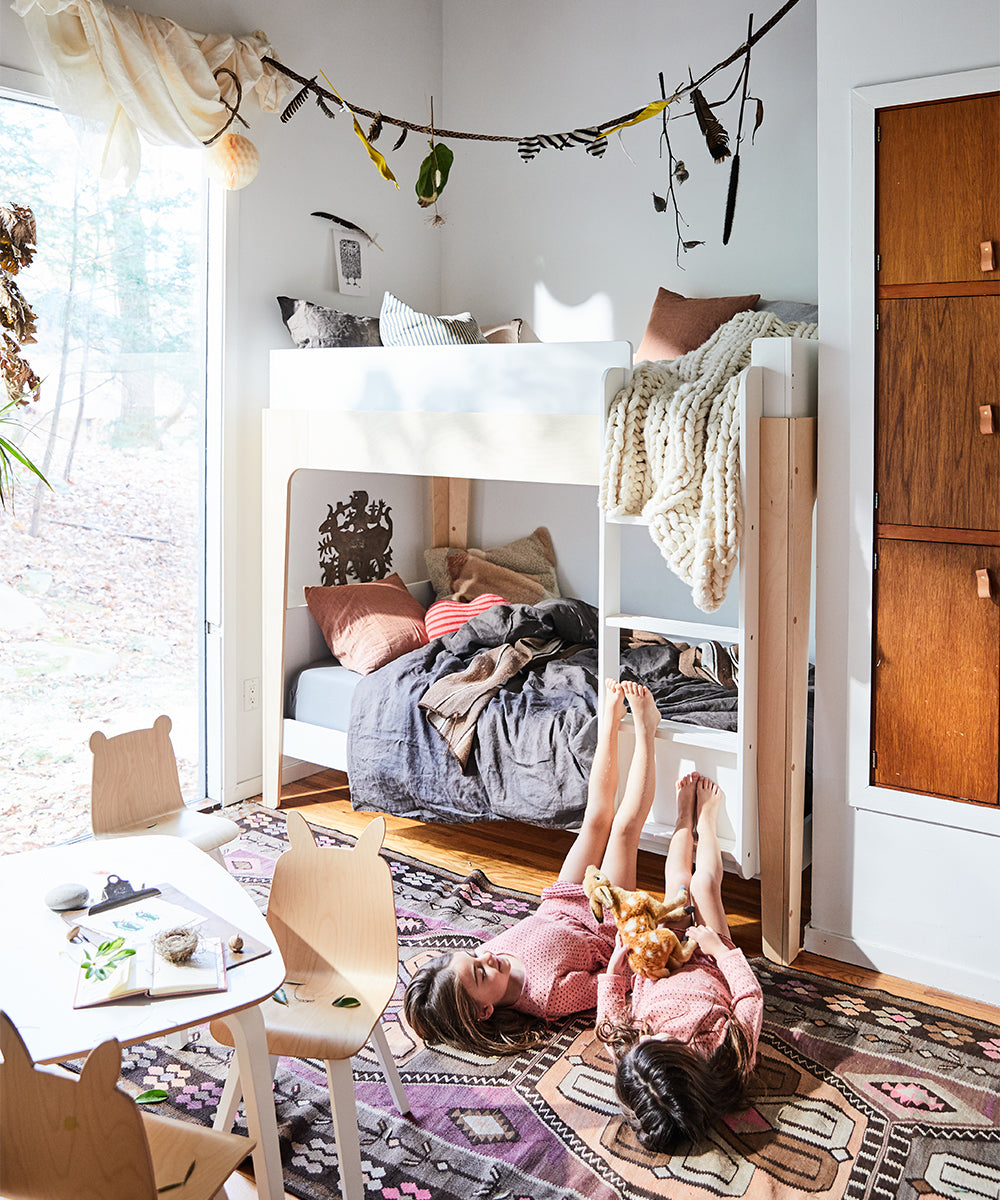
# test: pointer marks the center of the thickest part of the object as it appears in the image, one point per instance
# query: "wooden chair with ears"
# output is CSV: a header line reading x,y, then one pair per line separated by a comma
x,y
135,789
333,916
68,1138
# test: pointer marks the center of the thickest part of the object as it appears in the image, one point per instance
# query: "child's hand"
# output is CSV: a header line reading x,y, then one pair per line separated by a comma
x,y
708,941
618,961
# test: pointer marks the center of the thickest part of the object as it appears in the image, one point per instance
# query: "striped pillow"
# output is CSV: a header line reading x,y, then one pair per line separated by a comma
x,y
445,616
400,325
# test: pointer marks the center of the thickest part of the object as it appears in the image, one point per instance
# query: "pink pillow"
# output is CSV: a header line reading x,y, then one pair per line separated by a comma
x,y
679,324
445,616
367,625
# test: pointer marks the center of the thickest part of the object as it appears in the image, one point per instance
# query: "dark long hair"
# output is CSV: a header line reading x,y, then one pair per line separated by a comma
x,y
439,1010
669,1093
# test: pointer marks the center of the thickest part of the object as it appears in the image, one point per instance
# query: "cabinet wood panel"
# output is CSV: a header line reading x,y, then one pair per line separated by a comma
x,y
937,364
936,692
930,222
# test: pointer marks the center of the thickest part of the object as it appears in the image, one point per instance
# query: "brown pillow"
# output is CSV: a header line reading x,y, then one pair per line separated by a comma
x,y
533,555
679,324
473,576
367,625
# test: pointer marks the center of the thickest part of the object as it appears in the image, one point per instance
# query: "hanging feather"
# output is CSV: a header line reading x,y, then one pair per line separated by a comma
x,y
324,108
401,139
296,102
375,129
734,170
715,136
347,225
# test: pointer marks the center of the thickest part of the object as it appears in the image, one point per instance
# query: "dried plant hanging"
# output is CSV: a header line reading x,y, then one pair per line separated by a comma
x,y
734,170
433,174
677,173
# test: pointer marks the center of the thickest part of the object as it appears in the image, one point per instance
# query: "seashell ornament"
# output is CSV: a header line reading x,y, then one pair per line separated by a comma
x,y
232,161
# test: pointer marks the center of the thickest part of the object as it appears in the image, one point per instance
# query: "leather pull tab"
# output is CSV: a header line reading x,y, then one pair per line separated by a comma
x,y
983,584
987,261
986,418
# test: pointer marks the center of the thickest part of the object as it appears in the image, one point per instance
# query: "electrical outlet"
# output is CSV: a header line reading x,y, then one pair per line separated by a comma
x,y
251,694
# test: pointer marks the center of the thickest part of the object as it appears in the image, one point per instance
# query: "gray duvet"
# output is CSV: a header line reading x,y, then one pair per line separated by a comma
x,y
534,738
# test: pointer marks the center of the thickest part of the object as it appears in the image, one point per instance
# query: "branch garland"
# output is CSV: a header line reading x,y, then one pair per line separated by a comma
x,y
593,138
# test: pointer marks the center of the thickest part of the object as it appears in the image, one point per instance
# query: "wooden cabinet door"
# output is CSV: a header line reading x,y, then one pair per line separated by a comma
x,y
938,364
936,692
931,218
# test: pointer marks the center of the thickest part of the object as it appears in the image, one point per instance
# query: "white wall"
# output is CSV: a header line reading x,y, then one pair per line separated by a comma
x,y
873,872
573,242
376,53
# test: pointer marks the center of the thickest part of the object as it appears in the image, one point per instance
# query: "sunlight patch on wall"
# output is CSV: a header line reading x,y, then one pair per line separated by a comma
x,y
553,321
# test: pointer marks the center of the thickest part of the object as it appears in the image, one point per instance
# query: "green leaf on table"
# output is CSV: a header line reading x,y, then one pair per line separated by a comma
x,y
152,1096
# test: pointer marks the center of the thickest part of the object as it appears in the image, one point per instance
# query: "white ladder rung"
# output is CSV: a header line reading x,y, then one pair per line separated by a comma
x,y
689,630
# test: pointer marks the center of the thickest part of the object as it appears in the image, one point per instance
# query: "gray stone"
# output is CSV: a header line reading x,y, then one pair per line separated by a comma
x,y
65,896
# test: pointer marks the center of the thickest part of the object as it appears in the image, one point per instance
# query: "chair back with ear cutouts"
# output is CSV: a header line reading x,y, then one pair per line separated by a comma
x,y
332,911
135,777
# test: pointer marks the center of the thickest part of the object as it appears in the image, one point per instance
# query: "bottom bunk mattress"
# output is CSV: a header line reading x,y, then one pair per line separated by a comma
x,y
498,743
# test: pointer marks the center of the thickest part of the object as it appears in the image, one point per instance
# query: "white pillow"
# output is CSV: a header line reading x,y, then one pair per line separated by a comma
x,y
400,325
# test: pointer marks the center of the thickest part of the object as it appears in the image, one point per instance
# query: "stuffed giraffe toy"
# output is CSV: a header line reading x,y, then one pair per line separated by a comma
x,y
653,949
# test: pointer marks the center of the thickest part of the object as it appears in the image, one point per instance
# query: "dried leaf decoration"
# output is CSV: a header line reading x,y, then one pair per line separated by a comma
x,y
373,154
681,173
401,139
734,170
715,136
375,129
659,203
759,119
433,174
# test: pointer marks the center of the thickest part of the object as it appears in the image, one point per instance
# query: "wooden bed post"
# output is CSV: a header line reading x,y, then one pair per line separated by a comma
x,y
787,494
449,512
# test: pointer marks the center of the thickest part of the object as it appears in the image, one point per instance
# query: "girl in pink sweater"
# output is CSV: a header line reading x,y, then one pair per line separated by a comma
x,y
684,1046
492,999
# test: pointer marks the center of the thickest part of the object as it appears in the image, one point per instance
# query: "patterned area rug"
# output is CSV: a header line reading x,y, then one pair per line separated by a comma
x,y
859,1094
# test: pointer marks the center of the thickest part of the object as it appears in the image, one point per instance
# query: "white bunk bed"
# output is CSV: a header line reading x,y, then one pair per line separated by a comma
x,y
535,413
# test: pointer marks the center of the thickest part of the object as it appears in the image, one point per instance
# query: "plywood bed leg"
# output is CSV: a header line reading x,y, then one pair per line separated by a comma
x,y
449,512
787,495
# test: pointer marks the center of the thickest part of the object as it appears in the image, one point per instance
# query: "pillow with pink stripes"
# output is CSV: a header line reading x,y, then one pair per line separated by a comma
x,y
445,616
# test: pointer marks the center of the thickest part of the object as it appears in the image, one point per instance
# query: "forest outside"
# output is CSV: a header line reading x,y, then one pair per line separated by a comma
x,y
101,572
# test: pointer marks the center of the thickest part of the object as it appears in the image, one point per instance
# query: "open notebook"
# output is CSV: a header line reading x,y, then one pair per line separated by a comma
x,y
147,973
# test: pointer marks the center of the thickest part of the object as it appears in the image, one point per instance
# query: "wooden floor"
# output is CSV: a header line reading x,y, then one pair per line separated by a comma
x,y
527,858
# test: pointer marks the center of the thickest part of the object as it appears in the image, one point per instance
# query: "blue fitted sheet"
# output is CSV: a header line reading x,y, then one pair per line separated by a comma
x,y
321,694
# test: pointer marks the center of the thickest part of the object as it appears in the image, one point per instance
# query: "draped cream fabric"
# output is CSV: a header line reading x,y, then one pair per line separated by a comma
x,y
128,72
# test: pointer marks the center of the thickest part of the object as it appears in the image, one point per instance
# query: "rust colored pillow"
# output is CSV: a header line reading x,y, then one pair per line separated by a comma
x,y
679,324
367,625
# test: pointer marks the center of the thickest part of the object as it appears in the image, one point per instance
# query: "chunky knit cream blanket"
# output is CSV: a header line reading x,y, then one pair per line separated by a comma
x,y
672,453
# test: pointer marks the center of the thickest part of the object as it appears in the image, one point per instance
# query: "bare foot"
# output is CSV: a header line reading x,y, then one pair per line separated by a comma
x,y
614,704
710,797
644,711
686,787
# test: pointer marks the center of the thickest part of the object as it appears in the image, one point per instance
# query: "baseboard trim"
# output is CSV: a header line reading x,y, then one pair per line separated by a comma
x,y
932,973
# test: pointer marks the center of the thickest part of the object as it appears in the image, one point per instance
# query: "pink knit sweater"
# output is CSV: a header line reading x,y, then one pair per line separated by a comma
x,y
564,951
693,1005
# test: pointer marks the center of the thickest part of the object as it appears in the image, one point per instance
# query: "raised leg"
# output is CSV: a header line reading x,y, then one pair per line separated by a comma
x,y
619,862
706,883
389,1068
592,839
680,853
